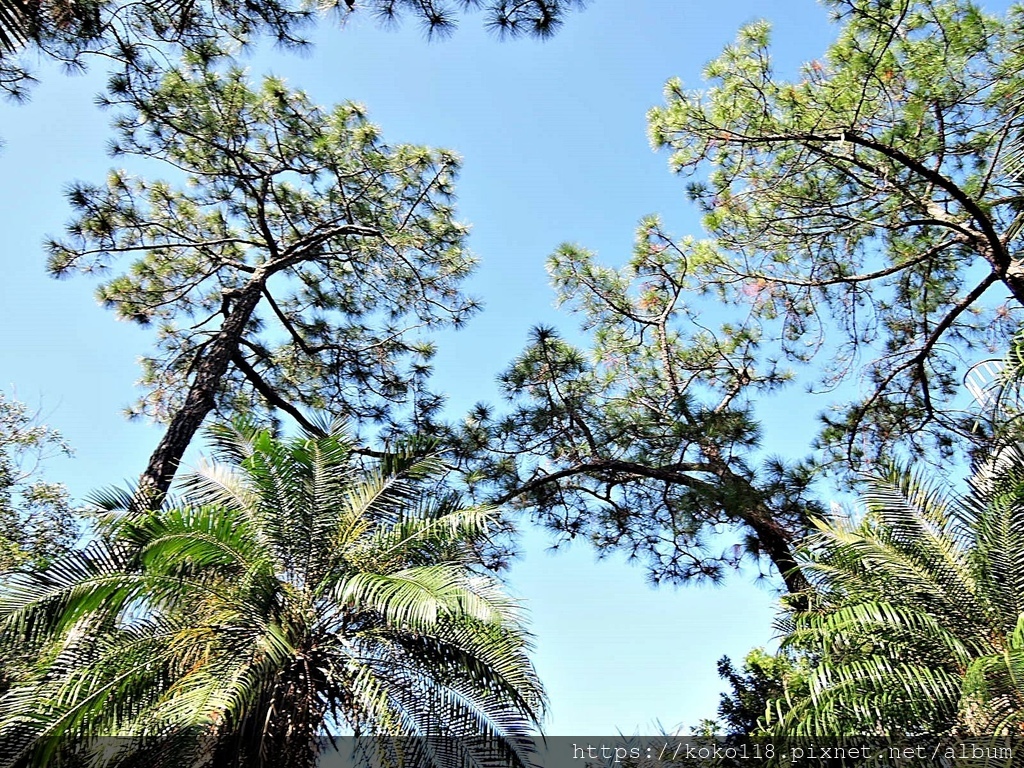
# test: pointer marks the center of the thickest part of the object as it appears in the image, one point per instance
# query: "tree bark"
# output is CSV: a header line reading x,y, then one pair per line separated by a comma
x,y
776,542
774,539
201,398
779,549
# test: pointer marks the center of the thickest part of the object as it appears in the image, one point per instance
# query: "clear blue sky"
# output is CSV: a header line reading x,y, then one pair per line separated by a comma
x,y
554,146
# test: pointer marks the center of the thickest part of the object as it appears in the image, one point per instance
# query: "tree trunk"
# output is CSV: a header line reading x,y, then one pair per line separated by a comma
x,y
775,540
201,398
1013,278
777,545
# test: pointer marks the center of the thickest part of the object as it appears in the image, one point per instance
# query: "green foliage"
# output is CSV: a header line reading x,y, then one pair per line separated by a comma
x,y
293,259
756,687
914,626
540,18
863,212
645,442
37,520
862,217
132,33
22,21
285,595
763,680
358,236
38,523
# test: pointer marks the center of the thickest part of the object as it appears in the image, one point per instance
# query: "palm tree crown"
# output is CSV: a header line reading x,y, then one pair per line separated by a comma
x,y
916,622
284,597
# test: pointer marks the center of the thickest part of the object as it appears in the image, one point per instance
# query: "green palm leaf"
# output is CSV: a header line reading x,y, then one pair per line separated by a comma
x,y
285,593
916,622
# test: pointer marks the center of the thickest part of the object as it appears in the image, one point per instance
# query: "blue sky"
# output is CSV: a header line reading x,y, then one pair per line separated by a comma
x,y
553,140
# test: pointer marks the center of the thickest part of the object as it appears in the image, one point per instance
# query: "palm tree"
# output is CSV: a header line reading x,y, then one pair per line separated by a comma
x,y
916,622
13,26
285,597
26,21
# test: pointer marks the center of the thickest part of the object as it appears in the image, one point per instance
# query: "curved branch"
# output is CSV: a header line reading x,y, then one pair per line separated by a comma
x,y
274,399
776,542
1000,258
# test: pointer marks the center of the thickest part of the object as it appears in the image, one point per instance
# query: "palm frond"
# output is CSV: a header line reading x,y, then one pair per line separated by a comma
x,y
915,621
284,589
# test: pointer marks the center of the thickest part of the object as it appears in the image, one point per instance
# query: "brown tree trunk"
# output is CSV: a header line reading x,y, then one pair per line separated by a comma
x,y
775,540
778,546
201,398
1013,279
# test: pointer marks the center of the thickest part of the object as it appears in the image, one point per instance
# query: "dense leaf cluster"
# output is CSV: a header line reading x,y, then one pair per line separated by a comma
x,y
915,623
647,441
37,519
